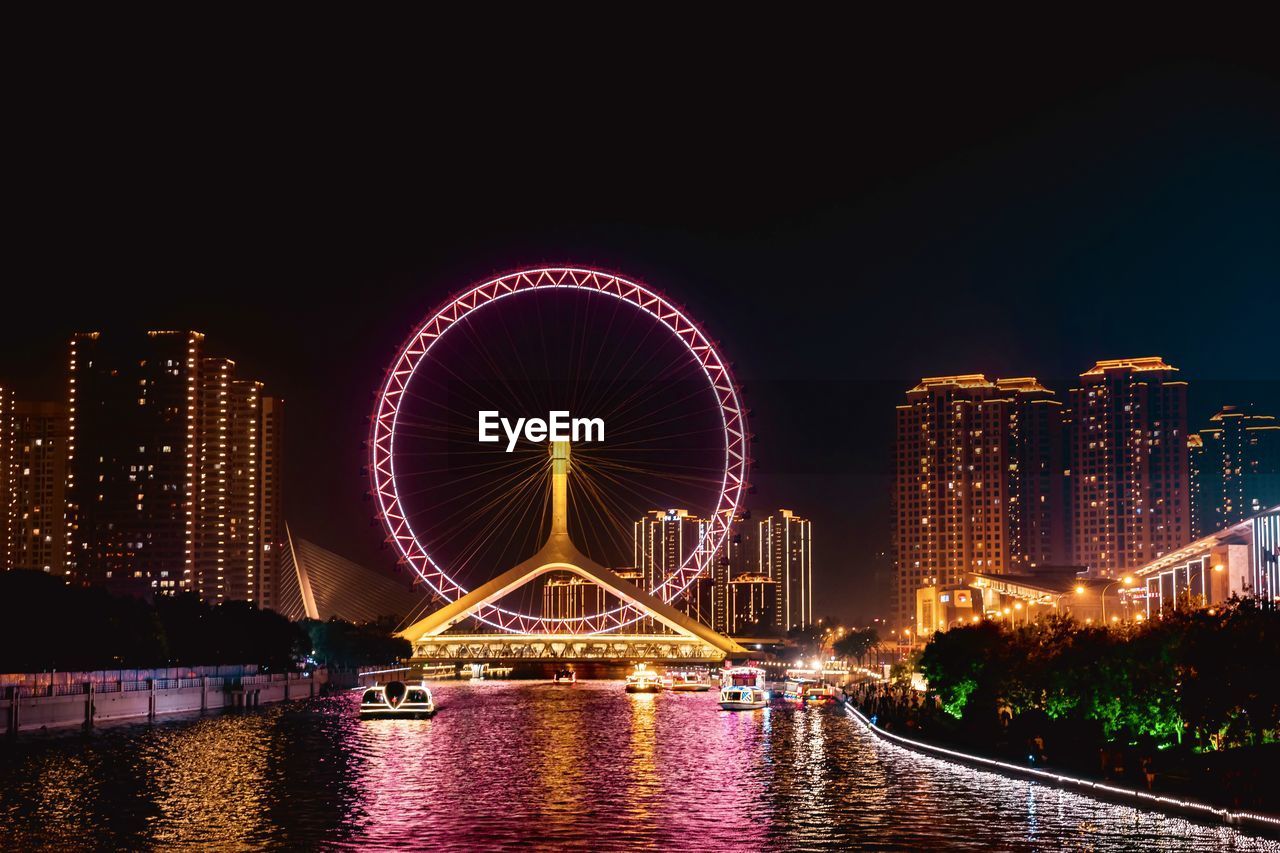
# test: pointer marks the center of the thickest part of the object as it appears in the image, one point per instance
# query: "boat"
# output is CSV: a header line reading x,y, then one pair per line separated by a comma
x,y
743,698
743,676
644,680
794,689
565,676
397,700
689,682
819,694
742,688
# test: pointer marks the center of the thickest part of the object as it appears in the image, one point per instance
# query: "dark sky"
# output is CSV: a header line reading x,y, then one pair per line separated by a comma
x,y
844,224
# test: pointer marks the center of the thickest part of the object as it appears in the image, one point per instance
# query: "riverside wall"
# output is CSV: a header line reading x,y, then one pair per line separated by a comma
x,y
63,702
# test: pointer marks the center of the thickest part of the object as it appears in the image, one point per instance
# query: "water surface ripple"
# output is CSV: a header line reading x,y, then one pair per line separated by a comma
x,y
532,764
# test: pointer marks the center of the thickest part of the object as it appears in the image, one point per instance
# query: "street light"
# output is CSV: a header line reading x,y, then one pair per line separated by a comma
x,y
1127,580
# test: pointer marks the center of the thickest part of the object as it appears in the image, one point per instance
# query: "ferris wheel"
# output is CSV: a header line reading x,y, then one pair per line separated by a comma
x,y
460,510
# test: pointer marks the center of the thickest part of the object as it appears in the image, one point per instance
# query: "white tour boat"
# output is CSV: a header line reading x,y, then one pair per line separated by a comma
x,y
397,700
565,676
743,698
742,688
690,682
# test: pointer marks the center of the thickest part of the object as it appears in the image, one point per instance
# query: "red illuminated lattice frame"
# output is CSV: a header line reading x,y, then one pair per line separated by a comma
x,y
417,349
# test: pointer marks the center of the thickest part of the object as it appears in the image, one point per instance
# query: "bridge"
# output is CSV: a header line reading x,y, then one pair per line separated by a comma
x,y
681,640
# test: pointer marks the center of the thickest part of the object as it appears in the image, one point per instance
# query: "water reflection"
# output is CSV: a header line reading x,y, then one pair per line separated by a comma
x,y
584,767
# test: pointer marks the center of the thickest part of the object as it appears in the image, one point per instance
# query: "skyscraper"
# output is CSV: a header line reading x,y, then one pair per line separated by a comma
x,y
35,494
227,497
1236,468
753,605
722,567
665,540
6,462
165,468
132,463
272,537
1130,470
785,543
980,482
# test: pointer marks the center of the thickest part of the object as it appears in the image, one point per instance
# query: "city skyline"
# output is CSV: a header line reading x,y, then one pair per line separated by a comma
x,y
1033,231
879,600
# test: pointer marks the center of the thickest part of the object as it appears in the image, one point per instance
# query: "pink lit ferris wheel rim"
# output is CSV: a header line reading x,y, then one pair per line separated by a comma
x,y
416,350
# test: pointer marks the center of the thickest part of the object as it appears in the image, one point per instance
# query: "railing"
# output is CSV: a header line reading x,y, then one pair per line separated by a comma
x,y
274,678
20,691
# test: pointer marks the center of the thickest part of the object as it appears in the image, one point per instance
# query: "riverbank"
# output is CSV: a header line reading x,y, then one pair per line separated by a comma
x,y
96,697
1264,824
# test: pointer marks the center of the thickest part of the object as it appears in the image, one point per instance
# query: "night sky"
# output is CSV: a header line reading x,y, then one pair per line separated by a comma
x,y
844,226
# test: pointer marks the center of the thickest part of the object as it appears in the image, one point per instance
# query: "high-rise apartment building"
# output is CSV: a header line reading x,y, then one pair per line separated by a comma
x,y
34,494
753,605
567,596
6,461
725,564
1236,468
132,463
165,468
785,556
979,483
271,535
1130,470
665,540
230,481
1198,490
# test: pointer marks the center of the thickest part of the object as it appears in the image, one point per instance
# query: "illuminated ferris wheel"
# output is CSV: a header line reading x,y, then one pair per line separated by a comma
x,y
464,496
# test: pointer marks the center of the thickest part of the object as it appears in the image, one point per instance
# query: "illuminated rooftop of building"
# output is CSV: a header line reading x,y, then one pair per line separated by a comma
x,y
964,380
1024,384
1146,363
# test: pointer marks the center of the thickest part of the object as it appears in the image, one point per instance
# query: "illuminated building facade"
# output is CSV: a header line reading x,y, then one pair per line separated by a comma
x,y
726,564
663,541
1236,468
272,539
6,461
568,596
753,605
228,547
980,483
132,459
939,608
165,482
1241,559
785,555
35,496
1130,466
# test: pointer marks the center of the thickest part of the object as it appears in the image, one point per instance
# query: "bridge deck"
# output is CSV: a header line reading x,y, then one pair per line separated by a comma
x,y
564,647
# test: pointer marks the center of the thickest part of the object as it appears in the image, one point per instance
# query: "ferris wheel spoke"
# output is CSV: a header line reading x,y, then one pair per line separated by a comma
x,y
643,415
614,403
487,494
506,510
627,485
509,516
494,364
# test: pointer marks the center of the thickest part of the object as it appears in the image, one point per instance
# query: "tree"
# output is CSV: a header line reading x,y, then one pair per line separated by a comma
x,y
856,644
341,643
957,662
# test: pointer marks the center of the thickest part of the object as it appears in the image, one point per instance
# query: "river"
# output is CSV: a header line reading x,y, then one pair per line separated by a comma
x,y
508,764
